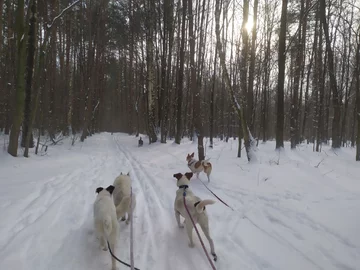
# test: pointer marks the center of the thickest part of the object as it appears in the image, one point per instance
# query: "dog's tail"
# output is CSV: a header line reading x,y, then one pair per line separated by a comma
x,y
206,162
107,224
200,206
123,206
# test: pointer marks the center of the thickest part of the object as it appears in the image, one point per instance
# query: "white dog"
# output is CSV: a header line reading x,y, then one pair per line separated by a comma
x,y
106,224
124,202
196,207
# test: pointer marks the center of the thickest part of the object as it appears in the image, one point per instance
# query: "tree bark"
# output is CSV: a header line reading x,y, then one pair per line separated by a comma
x,y
20,80
281,79
250,95
27,138
357,71
181,76
151,73
336,137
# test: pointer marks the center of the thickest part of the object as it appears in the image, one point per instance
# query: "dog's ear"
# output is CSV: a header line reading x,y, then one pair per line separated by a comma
x,y
189,175
177,175
128,174
99,189
121,173
193,154
110,189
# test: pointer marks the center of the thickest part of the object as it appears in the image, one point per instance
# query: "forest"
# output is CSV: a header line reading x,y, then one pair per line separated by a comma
x,y
281,70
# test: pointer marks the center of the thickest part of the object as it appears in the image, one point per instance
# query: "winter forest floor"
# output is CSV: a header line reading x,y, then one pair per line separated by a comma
x,y
299,211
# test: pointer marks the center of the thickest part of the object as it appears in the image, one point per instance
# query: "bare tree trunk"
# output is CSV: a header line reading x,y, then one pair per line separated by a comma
x,y
250,95
193,86
151,73
20,80
181,76
357,71
235,104
299,63
336,138
212,102
281,79
27,127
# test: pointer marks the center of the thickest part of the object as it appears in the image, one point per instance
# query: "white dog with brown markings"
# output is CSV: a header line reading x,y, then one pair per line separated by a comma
x,y
196,208
197,166
105,221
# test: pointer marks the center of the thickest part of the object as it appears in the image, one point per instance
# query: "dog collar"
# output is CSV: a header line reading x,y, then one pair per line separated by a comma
x,y
183,186
191,162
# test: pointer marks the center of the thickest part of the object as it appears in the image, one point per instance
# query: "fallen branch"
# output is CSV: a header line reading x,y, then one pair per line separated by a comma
x,y
317,166
327,172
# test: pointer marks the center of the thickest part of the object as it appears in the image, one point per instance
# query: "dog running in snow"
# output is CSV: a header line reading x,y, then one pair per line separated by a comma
x,y
196,208
122,197
198,166
105,221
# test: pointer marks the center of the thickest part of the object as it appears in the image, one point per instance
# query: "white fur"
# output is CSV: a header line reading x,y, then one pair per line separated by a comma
x,y
198,213
122,197
105,221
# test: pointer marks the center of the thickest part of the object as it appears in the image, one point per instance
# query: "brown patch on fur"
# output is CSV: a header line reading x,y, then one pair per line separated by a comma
x,y
197,164
189,157
177,176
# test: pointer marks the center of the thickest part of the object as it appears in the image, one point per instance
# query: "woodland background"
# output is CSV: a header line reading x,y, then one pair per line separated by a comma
x,y
256,70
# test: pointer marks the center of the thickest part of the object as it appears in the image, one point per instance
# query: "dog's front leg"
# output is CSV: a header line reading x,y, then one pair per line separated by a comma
x,y
177,216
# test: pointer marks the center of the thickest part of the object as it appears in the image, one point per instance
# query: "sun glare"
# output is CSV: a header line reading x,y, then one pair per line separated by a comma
x,y
249,25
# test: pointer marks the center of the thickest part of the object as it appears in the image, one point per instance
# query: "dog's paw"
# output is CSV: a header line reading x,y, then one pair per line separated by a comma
x,y
191,245
215,256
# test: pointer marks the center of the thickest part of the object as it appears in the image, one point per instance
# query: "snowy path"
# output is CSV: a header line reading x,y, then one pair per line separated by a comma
x,y
287,216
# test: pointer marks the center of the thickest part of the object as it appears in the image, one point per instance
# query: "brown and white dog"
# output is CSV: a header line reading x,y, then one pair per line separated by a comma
x,y
198,166
196,208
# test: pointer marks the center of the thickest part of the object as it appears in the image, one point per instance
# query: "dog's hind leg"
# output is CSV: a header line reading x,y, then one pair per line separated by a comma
x,y
177,216
102,243
205,229
189,229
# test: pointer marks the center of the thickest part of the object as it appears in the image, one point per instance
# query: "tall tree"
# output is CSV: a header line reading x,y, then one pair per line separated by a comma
x,y
151,72
250,95
20,80
336,136
357,74
281,78
180,80
27,137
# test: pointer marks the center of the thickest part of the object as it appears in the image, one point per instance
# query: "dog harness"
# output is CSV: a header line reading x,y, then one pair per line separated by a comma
x,y
184,187
195,204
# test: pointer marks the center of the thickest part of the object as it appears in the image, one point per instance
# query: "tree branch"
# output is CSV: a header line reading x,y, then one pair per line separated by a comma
x,y
62,13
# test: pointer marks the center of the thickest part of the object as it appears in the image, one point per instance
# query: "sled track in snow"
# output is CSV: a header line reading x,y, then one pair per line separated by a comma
x,y
149,207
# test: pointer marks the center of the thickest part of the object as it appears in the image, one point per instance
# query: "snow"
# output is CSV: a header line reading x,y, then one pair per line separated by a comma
x,y
299,210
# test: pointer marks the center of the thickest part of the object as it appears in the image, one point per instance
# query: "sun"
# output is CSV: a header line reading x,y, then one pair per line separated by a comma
x,y
249,25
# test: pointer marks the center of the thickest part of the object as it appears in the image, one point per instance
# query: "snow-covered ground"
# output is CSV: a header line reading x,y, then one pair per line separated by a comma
x,y
299,210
